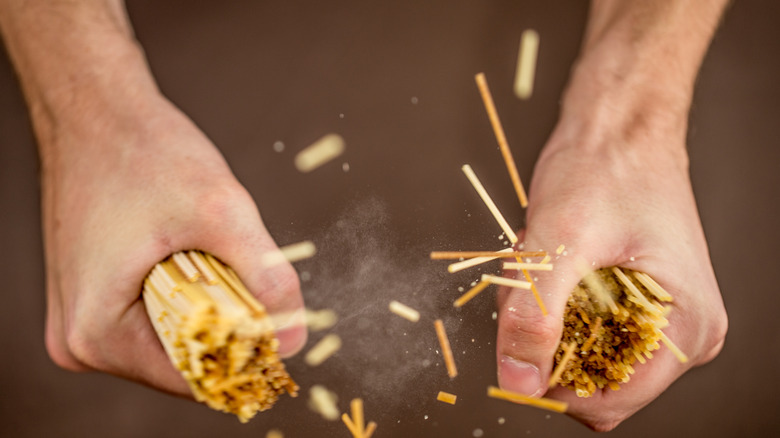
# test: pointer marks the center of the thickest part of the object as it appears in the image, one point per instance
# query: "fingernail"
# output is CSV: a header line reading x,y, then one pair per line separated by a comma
x,y
291,341
519,376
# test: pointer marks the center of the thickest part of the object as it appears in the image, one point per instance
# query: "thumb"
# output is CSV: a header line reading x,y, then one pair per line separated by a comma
x,y
276,286
528,339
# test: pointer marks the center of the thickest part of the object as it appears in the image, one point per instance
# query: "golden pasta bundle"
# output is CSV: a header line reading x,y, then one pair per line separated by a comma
x,y
216,333
613,319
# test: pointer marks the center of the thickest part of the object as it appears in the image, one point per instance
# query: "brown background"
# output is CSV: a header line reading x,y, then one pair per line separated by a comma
x,y
252,73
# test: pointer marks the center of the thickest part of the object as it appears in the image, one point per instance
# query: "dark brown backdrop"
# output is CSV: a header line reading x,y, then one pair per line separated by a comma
x,y
253,73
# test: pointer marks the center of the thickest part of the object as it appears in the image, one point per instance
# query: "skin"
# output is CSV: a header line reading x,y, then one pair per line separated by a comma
x,y
612,185
112,146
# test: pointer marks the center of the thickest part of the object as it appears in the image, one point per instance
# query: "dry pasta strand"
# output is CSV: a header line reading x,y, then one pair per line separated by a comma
x,y
446,350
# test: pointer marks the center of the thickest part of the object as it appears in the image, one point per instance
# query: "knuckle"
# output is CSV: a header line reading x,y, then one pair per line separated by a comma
x,y
534,327
83,348
59,354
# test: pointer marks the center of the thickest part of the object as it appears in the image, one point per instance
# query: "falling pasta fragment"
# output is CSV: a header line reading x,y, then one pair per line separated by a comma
x,y
216,334
471,293
290,253
319,153
323,401
472,177
498,130
446,397
539,402
404,311
526,64
446,350
324,349
356,424
503,281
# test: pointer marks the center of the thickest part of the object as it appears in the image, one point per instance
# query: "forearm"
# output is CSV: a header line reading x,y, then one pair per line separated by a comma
x,y
75,60
637,67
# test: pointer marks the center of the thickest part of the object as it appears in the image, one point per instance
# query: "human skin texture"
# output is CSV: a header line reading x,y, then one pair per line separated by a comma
x,y
612,185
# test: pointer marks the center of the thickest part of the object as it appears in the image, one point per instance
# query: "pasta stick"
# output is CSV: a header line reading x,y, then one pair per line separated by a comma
x,y
526,64
370,428
528,266
448,255
539,402
498,130
503,281
459,266
351,426
673,348
446,350
324,349
489,203
535,291
465,298
446,397
357,414
319,153
404,311
289,253
568,352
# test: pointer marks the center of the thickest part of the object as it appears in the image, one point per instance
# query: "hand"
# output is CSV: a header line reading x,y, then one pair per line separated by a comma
x,y
616,197
123,188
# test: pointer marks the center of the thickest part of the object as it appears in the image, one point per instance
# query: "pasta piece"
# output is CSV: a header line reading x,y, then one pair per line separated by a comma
x,y
289,253
465,298
539,402
470,263
446,397
526,64
498,130
511,282
446,350
489,203
324,349
528,266
561,367
447,255
319,153
404,311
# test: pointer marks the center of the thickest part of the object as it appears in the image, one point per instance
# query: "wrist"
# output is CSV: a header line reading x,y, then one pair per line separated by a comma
x,y
77,62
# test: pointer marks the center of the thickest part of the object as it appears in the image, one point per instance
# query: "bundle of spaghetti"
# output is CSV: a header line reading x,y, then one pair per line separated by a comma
x,y
216,334
601,343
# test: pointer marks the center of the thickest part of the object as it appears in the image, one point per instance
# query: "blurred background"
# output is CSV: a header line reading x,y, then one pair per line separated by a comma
x,y
395,79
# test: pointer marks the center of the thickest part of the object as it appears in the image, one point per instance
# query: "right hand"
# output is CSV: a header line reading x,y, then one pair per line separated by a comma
x,y
612,201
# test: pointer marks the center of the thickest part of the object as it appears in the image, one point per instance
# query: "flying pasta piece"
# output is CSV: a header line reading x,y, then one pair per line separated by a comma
x,y
289,253
489,203
404,311
324,349
528,266
539,402
446,350
465,298
503,281
526,64
323,401
470,263
498,130
450,255
446,397
319,153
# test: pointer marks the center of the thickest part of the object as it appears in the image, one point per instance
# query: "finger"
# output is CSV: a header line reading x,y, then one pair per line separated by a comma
x,y
527,340
277,287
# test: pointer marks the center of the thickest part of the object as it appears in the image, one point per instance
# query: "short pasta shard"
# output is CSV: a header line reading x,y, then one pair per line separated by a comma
x,y
216,334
